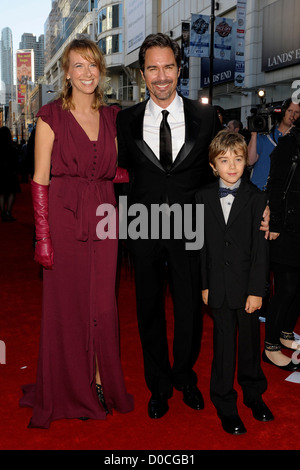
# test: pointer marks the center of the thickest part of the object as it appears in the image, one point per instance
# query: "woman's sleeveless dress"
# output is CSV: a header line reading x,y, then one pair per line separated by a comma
x,y
80,319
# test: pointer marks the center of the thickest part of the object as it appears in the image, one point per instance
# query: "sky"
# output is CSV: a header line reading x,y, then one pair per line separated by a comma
x,y
25,16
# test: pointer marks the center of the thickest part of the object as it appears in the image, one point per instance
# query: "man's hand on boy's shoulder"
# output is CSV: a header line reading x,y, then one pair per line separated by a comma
x,y
264,226
273,235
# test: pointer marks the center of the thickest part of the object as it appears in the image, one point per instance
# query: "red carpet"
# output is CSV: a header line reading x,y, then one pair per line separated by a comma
x,y
180,429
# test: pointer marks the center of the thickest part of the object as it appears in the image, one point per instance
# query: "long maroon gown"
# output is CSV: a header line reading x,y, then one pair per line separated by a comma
x,y
79,320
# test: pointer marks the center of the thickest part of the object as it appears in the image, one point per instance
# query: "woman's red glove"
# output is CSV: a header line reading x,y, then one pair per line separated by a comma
x,y
43,247
121,176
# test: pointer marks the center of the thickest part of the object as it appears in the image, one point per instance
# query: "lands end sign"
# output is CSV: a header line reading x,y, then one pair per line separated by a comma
x,y
284,59
281,38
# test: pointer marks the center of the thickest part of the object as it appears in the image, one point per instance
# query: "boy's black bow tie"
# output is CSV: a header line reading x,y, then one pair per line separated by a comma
x,y
223,192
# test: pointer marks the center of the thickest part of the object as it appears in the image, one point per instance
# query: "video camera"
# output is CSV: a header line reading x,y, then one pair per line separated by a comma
x,y
262,119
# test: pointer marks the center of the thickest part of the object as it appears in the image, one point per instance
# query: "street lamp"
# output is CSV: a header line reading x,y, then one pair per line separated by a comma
x,y
262,95
204,100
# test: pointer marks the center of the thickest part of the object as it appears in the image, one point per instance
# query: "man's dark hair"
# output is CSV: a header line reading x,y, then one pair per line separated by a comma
x,y
159,40
237,124
284,106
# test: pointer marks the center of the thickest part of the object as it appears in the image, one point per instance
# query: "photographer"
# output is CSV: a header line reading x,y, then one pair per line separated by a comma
x,y
284,200
261,145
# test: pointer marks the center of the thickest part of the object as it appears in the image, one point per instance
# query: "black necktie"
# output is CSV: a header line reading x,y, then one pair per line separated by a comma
x,y
223,192
165,142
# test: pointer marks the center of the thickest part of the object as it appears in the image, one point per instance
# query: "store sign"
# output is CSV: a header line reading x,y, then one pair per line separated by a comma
x,y
223,71
281,38
136,24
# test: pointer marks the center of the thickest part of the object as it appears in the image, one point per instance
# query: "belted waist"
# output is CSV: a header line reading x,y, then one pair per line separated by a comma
x,y
82,196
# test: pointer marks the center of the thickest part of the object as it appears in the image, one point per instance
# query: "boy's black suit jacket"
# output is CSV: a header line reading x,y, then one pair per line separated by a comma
x,y
234,259
150,183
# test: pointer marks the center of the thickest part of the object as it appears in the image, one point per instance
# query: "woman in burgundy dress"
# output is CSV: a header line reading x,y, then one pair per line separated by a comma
x,y
79,370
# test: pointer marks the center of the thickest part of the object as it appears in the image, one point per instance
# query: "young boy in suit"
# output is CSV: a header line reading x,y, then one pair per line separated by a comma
x,y
234,267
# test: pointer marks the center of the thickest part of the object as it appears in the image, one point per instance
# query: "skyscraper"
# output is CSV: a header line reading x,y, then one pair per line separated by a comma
x,y
7,77
28,41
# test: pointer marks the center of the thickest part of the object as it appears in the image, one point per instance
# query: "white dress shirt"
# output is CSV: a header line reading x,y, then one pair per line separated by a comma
x,y
152,120
226,202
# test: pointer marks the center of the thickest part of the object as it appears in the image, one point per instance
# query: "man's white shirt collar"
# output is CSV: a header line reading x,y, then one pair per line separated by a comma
x,y
176,120
175,108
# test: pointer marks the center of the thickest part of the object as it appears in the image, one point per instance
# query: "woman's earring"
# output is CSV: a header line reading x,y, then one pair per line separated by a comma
x,y
69,83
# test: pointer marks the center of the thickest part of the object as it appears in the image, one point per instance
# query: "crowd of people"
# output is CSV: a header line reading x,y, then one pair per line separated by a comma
x,y
166,150
16,166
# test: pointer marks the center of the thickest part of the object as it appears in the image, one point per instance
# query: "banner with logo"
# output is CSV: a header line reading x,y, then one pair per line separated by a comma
x,y
184,77
25,73
223,38
223,72
239,75
200,36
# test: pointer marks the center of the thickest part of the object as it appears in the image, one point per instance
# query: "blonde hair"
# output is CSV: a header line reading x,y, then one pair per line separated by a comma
x,y
225,141
90,51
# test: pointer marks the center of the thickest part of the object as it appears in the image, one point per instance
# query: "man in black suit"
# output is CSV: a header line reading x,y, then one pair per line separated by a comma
x,y
142,150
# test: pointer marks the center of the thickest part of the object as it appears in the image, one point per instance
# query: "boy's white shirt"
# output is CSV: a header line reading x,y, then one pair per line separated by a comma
x,y
226,202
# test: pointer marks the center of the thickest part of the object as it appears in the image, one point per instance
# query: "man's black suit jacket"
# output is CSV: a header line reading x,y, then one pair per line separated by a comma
x,y
234,259
150,183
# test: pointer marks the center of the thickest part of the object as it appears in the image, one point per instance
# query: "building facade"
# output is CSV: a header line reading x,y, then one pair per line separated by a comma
x,y
121,85
67,19
119,28
7,77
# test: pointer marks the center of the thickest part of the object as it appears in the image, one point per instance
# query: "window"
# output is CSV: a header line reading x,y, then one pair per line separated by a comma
x,y
110,17
102,45
93,4
102,21
111,44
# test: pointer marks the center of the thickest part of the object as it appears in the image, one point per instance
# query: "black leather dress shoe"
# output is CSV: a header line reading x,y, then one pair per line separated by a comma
x,y
192,397
291,366
232,424
260,411
157,406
